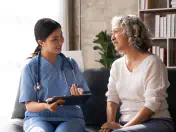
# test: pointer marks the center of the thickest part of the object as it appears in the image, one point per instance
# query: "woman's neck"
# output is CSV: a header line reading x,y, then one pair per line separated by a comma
x,y
49,56
132,54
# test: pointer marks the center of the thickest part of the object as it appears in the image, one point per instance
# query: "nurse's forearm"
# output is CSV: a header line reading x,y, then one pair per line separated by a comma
x,y
35,106
111,111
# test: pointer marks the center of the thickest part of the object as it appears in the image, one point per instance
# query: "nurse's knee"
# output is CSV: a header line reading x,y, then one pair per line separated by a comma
x,y
41,129
37,129
40,126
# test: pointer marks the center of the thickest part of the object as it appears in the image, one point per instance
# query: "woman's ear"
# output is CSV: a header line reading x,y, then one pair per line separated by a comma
x,y
40,42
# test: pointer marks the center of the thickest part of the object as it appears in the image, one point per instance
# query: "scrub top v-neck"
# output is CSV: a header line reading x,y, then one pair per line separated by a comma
x,y
53,83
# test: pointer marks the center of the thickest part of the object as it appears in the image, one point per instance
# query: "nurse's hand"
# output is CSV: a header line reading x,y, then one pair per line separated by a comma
x,y
54,106
76,91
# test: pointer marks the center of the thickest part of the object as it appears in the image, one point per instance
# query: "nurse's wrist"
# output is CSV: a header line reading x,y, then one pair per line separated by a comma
x,y
46,106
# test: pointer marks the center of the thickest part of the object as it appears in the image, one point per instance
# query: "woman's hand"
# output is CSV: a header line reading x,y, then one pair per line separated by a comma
x,y
106,127
54,106
76,91
105,130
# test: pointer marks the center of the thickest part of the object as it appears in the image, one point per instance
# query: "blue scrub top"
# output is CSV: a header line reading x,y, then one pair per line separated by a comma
x,y
53,83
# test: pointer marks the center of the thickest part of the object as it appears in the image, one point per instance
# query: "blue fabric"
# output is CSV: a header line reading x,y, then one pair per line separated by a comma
x,y
74,125
52,83
152,125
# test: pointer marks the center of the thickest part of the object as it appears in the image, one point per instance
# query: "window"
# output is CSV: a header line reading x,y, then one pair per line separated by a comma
x,y
17,42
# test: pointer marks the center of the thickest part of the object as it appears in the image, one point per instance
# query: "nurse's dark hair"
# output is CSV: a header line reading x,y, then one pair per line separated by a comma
x,y
43,28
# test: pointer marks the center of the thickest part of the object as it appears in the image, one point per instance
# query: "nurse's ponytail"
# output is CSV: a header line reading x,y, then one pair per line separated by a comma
x,y
37,49
43,28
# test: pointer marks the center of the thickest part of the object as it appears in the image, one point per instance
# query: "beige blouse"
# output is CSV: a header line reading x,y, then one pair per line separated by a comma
x,y
146,86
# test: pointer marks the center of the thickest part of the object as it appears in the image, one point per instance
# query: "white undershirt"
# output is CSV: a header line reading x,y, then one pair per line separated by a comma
x,y
145,86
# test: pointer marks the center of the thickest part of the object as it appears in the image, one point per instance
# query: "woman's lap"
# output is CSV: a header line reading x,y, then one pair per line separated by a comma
x,y
74,125
153,125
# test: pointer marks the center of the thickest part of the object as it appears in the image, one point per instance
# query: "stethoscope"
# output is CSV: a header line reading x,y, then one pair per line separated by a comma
x,y
37,86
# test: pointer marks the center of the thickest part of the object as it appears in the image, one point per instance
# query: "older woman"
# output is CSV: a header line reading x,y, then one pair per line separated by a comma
x,y
138,80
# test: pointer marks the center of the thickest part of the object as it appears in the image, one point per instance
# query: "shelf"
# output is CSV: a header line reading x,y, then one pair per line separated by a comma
x,y
162,38
172,38
158,38
158,10
148,16
171,67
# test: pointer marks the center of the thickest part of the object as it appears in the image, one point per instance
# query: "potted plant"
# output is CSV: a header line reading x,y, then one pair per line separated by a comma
x,y
106,49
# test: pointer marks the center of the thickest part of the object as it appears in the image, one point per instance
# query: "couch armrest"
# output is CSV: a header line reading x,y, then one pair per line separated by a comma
x,y
14,125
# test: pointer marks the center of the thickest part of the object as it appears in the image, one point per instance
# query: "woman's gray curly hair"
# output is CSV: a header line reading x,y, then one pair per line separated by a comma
x,y
136,31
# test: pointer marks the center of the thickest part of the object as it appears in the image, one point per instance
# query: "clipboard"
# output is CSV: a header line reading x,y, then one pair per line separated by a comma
x,y
72,100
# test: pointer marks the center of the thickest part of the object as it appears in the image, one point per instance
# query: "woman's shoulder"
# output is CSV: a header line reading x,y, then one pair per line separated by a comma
x,y
118,61
152,58
154,62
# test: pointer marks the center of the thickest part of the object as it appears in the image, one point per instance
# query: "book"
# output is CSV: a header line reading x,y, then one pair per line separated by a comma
x,y
158,51
175,27
164,27
171,53
174,54
161,27
142,4
165,56
168,23
147,4
168,3
162,54
153,49
174,6
157,26
172,24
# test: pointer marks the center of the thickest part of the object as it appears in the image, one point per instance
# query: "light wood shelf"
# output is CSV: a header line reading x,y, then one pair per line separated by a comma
x,y
153,38
160,7
158,10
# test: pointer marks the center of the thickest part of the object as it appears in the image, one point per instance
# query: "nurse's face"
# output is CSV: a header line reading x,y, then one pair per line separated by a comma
x,y
53,43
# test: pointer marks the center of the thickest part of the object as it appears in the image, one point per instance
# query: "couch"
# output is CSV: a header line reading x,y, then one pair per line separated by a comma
x,y
95,108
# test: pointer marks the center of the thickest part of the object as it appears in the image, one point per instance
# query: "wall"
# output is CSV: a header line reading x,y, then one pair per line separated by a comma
x,y
96,16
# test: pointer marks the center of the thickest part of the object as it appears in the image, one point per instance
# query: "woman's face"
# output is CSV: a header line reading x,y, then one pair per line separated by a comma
x,y
119,40
53,43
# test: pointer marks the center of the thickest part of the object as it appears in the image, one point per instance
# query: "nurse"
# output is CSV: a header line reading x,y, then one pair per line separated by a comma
x,y
49,73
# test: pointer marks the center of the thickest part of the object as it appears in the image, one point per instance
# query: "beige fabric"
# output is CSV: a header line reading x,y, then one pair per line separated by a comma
x,y
146,86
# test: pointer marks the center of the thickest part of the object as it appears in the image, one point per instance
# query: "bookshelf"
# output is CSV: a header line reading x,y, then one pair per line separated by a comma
x,y
160,18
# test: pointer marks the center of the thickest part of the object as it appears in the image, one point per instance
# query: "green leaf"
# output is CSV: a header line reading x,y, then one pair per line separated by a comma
x,y
102,62
98,48
106,48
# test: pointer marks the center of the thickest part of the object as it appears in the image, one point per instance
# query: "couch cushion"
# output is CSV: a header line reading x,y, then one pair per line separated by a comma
x,y
19,109
14,125
95,108
172,93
